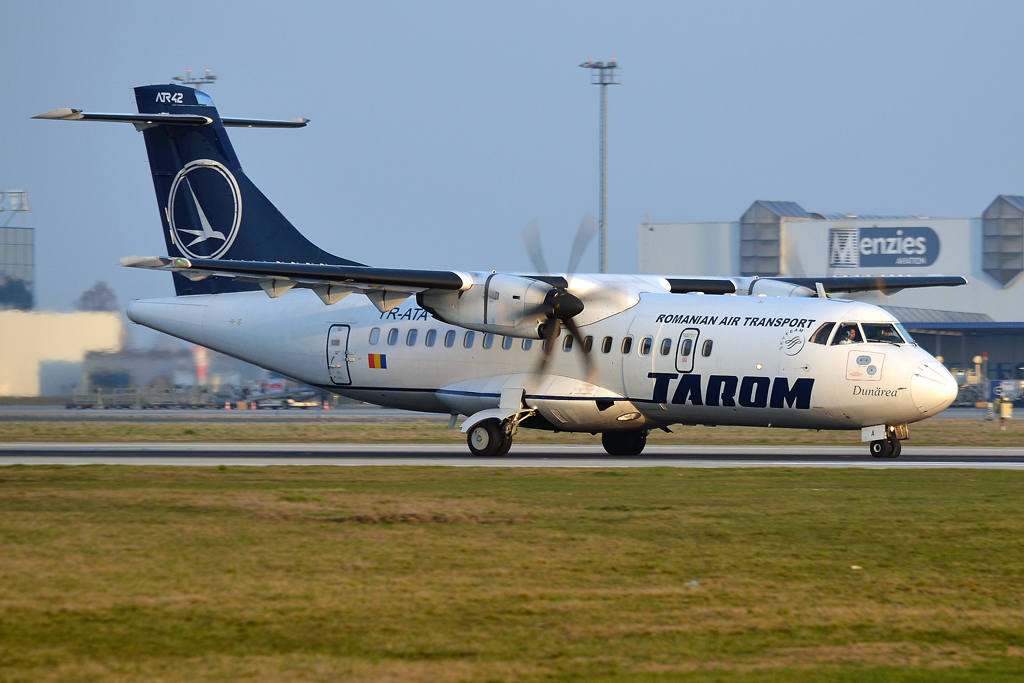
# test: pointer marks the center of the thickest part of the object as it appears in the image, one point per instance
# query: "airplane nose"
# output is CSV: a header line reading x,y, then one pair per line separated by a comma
x,y
932,388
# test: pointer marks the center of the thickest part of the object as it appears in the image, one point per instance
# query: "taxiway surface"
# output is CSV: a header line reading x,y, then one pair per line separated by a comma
x,y
446,455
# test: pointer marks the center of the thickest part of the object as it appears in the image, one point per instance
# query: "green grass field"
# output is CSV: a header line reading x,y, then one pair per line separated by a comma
x,y
943,432
451,574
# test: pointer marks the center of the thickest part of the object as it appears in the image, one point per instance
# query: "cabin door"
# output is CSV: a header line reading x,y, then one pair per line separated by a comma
x,y
338,356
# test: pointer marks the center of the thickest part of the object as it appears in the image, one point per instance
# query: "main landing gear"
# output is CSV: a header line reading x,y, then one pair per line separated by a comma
x,y
624,443
489,438
889,447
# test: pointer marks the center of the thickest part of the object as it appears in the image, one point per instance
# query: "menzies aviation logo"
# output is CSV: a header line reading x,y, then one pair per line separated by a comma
x,y
882,247
204,209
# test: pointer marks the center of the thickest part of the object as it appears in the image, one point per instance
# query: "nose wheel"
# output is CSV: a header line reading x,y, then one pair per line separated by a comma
x,y
489,439
886,448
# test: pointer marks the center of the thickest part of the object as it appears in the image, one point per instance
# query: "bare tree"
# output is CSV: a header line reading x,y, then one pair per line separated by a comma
x,y
99,297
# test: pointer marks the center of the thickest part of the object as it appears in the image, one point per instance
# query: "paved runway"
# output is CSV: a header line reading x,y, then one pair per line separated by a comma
x,y
445,455
343,413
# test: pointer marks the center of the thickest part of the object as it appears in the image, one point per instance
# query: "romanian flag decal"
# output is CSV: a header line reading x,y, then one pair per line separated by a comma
x,y
378,361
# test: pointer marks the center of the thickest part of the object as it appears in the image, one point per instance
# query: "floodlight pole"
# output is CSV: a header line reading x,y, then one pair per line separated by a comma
x,y
603,74
196,81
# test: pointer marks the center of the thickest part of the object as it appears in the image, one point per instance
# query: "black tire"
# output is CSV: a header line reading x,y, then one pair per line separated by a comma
x,y
894,443
881,449
487,439
506,444
624,443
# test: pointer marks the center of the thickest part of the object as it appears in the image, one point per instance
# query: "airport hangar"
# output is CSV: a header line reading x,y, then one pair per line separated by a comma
x,y
776,238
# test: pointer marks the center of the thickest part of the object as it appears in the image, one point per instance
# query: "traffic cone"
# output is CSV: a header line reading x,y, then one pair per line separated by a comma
x,y
227,405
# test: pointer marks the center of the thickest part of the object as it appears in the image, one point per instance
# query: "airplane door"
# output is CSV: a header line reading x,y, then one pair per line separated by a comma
x,y
687,349
338,356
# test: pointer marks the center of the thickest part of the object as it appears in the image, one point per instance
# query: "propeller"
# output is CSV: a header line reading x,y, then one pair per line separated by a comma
x,y
560,306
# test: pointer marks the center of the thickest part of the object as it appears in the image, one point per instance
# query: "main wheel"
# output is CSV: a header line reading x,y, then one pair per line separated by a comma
x,y
624,443
488,439
894,443
881,449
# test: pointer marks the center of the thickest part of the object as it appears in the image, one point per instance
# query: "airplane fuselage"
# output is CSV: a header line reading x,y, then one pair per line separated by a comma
x,y
670,358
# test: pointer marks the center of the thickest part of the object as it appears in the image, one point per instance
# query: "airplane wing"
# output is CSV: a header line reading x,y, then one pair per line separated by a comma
x,y
887,284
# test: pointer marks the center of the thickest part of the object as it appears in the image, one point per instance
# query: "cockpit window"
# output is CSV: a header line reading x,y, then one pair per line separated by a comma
x,y
847,334
820,335
882,332
906,335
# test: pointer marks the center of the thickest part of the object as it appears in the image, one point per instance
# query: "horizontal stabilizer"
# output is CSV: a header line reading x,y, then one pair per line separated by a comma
x,y
145,119
167,119
264,123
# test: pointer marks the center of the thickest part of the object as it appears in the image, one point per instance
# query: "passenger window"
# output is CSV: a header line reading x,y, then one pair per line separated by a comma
x,y
627,345
410,339
488,340
646,344
527,343
686,348
588,343
706,350
821,334
468,341
567,344
666,347
449,338
506,343
606,345
431,337
393,336
847,334
374,335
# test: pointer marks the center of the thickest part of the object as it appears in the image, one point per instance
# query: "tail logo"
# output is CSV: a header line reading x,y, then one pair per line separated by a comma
x,y
204,209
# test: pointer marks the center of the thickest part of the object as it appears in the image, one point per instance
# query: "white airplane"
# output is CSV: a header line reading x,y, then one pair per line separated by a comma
x,y
618,355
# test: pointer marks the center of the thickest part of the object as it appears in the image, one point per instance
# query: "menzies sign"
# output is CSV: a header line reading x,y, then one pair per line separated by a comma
x,y
882,247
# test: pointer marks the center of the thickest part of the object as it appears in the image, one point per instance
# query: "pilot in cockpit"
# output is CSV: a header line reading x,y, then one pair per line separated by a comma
x,y
847,334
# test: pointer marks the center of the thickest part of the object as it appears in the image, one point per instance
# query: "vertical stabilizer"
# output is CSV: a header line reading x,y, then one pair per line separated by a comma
x,y
208,207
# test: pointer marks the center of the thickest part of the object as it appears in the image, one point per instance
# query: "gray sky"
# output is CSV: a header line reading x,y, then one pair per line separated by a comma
x,y
440,129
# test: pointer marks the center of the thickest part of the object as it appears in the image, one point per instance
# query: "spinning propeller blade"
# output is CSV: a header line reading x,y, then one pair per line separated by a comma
x,y
584,234
560,306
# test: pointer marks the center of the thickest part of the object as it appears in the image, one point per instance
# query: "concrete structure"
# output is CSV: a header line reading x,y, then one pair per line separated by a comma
x,y
42,353
781,238
168,369
17,268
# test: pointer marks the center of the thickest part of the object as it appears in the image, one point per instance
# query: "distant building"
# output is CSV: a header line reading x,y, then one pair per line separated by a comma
x,y
168,369
781,238
43,353
17,268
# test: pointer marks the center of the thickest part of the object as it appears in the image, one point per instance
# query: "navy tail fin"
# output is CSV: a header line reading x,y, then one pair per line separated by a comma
x,y
208,207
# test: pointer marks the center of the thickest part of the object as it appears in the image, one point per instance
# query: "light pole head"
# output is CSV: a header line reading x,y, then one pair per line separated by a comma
x,y
604,73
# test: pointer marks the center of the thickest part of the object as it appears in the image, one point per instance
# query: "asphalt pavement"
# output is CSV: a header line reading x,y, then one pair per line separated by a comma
x,y
447,455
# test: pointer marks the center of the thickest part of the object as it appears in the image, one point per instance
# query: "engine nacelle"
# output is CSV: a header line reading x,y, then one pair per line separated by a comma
x,y
495,302
778,288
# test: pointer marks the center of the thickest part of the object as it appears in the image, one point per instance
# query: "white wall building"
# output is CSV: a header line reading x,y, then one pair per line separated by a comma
x,y
42,353
782,239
